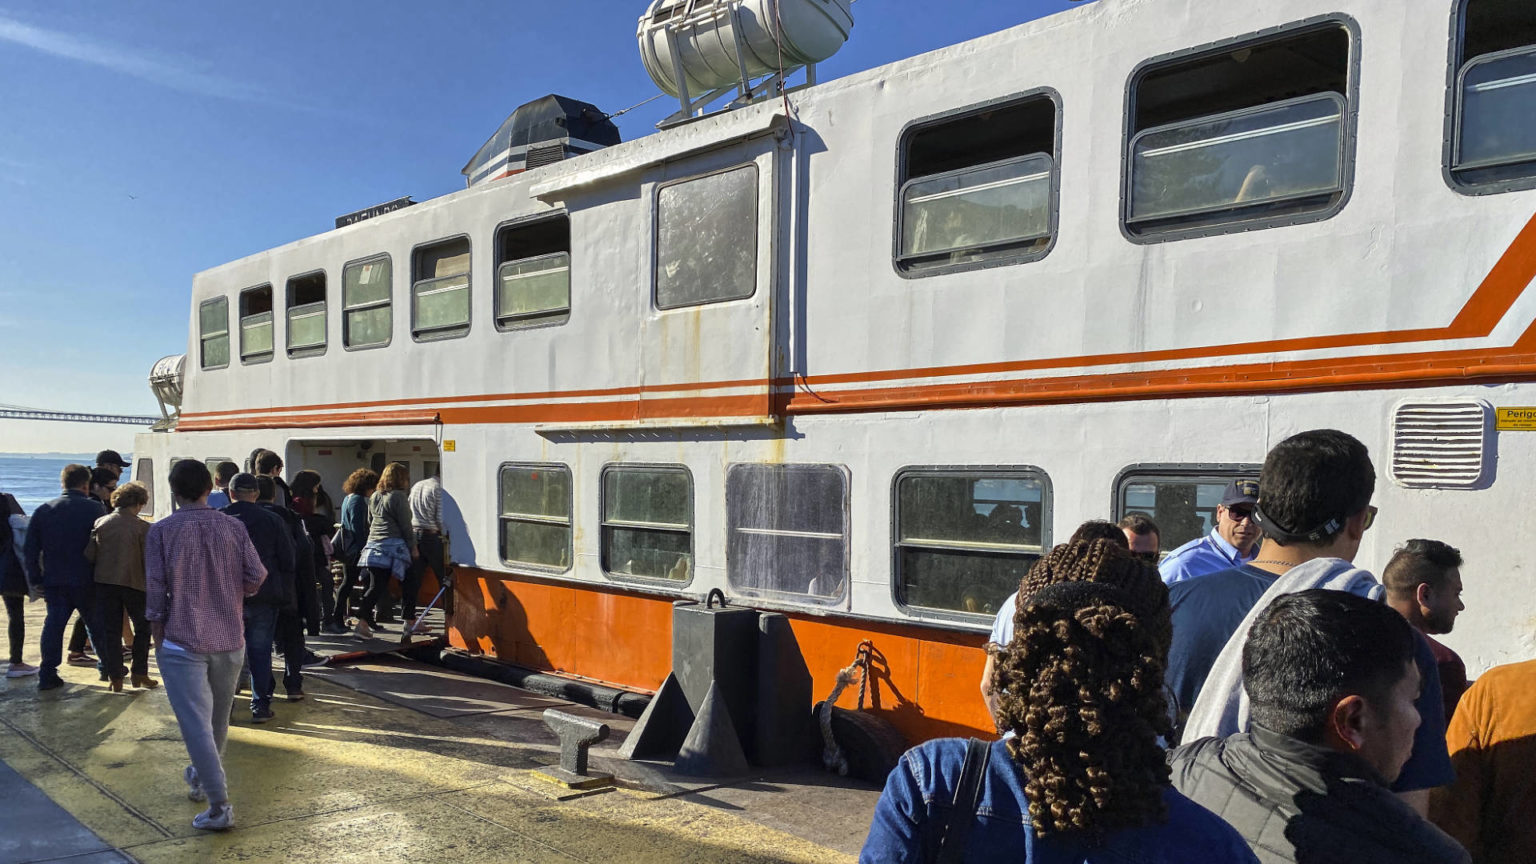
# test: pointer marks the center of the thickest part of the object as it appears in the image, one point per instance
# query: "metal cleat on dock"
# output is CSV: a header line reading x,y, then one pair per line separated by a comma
x,y
576,735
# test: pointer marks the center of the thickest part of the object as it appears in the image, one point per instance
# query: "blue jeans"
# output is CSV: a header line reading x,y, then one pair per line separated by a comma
x,y
260,630
62,601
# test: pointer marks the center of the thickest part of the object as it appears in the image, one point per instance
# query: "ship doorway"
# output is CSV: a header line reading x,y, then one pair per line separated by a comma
x,y
336,459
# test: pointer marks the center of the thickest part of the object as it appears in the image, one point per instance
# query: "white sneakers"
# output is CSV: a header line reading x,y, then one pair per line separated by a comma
x,y
221,819
194,785
20,670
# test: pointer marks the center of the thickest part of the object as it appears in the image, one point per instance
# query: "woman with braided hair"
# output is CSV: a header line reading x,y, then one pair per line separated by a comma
x,y
1082,777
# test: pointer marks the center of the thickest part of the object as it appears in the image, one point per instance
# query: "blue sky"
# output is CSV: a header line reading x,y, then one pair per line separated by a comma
x,y
144,142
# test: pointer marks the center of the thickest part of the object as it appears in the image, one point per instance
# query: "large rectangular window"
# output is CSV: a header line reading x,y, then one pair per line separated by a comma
x,y
213,332
536,516
787,531
966,537
367,318
978,187
1493,142
1181,499
256,324
1253,133
648,522
706,239
306,315
440,290
533,273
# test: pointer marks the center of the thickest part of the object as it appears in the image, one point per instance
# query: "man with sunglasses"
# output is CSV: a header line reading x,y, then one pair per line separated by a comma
x,y
1232,543
1314,508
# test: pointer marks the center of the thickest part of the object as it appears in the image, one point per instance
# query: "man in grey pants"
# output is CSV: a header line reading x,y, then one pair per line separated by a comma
x,y
199,566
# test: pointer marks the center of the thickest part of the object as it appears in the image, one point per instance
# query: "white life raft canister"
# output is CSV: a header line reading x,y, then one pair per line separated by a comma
x,y
706,34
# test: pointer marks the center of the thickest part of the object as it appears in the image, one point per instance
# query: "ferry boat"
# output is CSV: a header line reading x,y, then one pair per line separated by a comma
x,y
859,354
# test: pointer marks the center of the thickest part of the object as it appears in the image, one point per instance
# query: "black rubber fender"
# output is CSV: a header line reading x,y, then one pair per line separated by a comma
x,y
869,742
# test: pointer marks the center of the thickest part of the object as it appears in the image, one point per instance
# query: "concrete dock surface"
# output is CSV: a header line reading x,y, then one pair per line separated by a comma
x,y
385,760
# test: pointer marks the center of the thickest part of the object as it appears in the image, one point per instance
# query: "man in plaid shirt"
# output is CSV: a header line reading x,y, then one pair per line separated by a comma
x,y
199,566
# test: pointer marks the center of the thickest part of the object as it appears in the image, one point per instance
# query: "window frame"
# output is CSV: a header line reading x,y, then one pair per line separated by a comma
x,y
1228,471
202,338
782,597
1456,68
977,472
440,334
517,323
603,525
239,310
144,472
1348,133
325,316
903,142
570,521
757,231
346,333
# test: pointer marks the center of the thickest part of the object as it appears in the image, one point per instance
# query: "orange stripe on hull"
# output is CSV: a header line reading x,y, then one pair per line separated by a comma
x,y
924,680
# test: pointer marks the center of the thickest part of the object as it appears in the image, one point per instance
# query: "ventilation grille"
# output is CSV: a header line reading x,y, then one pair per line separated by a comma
x,y
545,154
1439,445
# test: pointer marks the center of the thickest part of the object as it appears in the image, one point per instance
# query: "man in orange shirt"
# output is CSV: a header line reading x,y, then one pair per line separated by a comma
x,y
1491,807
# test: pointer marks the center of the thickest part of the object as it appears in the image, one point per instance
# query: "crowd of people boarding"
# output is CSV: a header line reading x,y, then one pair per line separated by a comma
x,y
240,571
1251,696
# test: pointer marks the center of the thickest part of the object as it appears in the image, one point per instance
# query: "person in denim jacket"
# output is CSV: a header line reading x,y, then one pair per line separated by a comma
x,y
1081,778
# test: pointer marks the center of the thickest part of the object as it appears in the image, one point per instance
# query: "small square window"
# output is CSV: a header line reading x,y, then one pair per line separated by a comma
x,y
1492,144
536,516
367,316
440,290
256,325
787,531
648,523
213,332
533,273
1181,499
706,239
306,315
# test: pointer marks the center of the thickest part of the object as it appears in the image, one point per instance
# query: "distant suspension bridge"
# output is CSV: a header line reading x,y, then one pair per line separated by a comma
x,y
18,412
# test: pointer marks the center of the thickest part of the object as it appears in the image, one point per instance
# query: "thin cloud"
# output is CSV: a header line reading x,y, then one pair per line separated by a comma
x,y
146,67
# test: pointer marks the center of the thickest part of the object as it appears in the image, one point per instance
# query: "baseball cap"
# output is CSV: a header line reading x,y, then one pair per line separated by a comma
x,y
243,482
111,457
1241,492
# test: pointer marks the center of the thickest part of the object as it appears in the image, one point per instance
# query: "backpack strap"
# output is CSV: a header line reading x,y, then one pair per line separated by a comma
x,y
962,815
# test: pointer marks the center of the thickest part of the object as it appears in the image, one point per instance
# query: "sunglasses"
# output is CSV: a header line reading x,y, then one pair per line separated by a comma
x,y
1370,516
1149,557
1238,514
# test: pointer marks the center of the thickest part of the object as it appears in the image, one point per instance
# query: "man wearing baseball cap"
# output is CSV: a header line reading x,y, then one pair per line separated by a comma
x,y
112,461
1233,542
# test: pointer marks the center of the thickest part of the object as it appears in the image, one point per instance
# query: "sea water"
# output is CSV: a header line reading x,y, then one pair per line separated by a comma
x,y
35,479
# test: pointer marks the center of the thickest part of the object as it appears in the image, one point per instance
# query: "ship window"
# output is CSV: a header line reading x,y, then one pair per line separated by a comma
x,y
213,330
706,239
144,472
306,315
965,538
440,290
647,523
256,324
978,187
536,516
1253,134
367,318
787,531
1493,144
533,273
1181,499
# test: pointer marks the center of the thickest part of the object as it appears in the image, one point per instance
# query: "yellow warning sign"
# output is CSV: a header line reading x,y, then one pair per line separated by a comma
x,y
450,445
1517,420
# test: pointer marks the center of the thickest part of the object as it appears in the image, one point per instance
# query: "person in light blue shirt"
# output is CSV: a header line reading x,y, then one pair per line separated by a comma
x,y
219,498
1232,543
